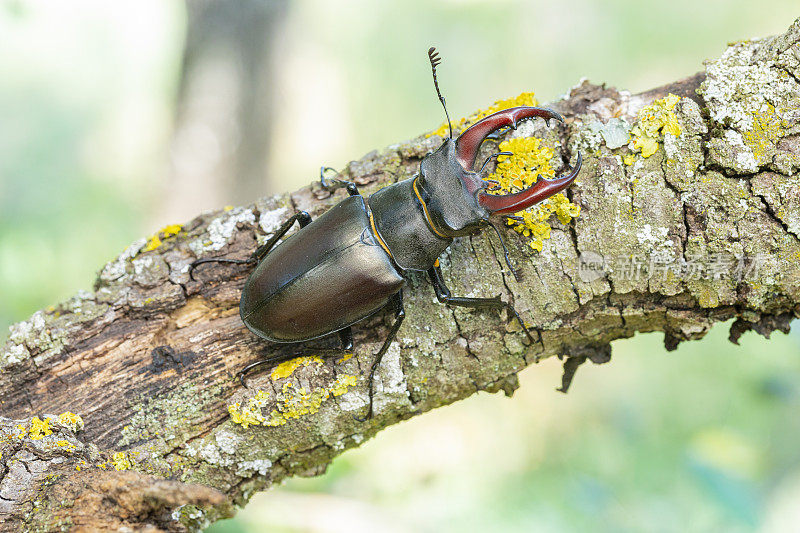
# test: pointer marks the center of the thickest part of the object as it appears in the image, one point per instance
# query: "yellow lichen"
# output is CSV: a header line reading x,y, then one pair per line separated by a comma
x,y
341,385
165,233
523,99
153,243
296,402
65,444
628,159
765,131
284,370
23,431
654,121
345,357
121,461
291,402
519,171
40,428
71,420
250,415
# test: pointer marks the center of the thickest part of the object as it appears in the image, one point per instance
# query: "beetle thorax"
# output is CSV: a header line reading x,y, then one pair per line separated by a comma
x,y
451,193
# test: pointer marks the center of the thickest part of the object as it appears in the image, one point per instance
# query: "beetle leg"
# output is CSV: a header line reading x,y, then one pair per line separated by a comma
x,y
346,335
331,184
514,271
444,296
493,156
303,218
496,135
218,260
399,315
269,360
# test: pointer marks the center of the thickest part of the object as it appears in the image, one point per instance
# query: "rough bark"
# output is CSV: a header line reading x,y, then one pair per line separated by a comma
x,y
148,360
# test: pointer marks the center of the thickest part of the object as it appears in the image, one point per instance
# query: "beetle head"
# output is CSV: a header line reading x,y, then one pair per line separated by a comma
x,y
457,199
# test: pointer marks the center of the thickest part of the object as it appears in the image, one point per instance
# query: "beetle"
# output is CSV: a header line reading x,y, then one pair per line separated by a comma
x,y
352,261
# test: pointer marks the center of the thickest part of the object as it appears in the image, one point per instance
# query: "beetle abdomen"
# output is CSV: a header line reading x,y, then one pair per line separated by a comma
x,y
402,223
325,277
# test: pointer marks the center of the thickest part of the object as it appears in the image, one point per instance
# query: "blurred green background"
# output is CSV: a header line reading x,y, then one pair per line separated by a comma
x,y
119,117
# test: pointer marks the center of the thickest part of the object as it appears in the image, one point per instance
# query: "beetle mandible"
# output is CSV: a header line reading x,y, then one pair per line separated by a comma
x,y
356,255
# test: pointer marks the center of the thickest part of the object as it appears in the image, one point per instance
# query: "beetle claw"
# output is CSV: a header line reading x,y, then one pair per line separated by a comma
x,y
542,189
470,140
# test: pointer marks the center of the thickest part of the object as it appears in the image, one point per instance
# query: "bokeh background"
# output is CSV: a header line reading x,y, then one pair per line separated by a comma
x,y
119,117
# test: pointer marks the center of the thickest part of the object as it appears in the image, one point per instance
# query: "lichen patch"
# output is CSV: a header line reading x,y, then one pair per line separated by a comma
x,y
122,461
220,230
754,102
114,270
157,238
653,123
287,368
531,160
291,402
524,99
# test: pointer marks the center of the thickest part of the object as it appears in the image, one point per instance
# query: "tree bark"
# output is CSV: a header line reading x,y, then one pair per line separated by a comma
x,y
705,229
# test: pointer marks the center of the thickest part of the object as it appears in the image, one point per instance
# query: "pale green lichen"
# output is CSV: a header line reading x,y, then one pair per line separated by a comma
x,y
261,466
614,133
654,121
168,416
524,99
531,159
116,269
753,100
24,337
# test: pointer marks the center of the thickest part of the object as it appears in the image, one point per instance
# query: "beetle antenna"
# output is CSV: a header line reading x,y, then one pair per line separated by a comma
x,y
195,264
505,253
434,58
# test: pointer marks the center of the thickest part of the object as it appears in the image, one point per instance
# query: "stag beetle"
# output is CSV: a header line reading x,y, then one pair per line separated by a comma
x,y
351,261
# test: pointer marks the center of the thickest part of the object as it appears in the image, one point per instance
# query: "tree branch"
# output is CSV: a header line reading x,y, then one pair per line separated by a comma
x,y
705,229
